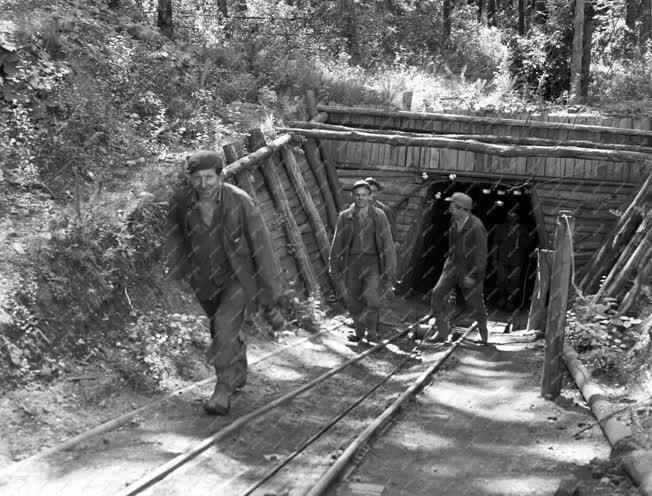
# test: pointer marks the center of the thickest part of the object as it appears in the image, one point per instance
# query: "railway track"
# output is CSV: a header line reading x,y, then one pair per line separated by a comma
x,y
322,454
154,482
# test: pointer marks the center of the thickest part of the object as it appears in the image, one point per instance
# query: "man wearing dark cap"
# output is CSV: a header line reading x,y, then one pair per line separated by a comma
x,y
389,212
218,240
363,254
464,267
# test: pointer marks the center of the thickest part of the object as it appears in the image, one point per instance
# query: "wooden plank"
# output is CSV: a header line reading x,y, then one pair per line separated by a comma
x,y
273,181
315,222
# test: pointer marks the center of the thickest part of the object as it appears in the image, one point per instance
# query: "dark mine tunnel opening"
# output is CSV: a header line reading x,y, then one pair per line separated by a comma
x,y
491,203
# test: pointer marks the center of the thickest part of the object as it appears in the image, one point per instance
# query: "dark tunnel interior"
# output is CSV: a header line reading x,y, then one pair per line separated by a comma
x,y
491,203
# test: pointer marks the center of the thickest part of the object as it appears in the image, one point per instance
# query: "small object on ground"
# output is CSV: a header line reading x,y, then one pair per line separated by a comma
x,y
354,338
366,489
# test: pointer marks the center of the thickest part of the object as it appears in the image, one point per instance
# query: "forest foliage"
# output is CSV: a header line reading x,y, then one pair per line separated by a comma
x,y
99,98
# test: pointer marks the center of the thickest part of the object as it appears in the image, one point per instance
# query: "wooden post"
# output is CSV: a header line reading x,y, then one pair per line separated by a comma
x,y
538,309
556,321
311,104
273,181
537,213
407,100
308,205
233,152
319,170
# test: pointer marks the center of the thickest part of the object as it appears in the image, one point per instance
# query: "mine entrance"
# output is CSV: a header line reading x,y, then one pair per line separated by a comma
x,y
492,203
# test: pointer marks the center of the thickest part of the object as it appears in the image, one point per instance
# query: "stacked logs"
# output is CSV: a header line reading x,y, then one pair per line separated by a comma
x,y
625,257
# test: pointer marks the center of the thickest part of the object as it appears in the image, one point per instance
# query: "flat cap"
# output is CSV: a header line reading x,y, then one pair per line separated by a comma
x,y
461,200
361,184
204,159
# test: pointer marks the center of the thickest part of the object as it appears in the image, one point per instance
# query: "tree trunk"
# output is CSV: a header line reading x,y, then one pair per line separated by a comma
x,y
223,7
491,12
446,25
480,7
646,22
351,30
578,51
165,17
586,49
521,17
540,12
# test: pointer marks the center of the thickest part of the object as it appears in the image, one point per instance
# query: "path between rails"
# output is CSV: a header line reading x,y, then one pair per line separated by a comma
x,y
482,428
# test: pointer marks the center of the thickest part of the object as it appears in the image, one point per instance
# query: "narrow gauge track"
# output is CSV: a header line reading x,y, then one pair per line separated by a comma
x,y
212,473
121,420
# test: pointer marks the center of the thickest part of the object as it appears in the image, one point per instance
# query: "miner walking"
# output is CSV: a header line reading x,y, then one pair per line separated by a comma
x,y
363,254
464,267
218,241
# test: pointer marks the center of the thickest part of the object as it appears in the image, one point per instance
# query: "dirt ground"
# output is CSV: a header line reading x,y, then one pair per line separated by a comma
x,y
480,428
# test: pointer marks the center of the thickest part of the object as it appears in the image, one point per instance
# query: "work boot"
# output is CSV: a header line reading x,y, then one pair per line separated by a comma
x,y
220,401
372,335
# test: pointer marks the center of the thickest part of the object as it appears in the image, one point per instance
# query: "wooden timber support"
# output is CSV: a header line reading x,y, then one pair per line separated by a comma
x,y
473,146
273,181
483,138
537,213
625,226
556,319
258,155
308,205
514,123
629,259
319,170
538,307
233,152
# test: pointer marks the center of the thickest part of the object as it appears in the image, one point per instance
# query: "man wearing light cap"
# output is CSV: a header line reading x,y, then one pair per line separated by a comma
x,y
464,267
363,254
389,212
218,240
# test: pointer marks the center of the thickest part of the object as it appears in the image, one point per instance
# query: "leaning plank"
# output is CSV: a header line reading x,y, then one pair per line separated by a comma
x,y
605,256
273,181
502,139
492,121
319,170
260,154
630,258
308,204
473,146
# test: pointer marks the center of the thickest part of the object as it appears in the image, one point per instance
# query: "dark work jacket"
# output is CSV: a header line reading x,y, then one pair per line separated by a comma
x,y
471,260
389,213
341,245
245,238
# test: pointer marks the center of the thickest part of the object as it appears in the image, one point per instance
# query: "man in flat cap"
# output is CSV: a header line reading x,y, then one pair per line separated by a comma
x,y
464,267
363,254
389,212
218,240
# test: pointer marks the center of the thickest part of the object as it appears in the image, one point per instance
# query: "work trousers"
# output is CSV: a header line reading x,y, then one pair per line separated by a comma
x,y
441,307
508,283
228,352
363,288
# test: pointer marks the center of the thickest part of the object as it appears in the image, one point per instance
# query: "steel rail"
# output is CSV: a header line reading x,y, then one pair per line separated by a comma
x,y
166,469
334,471
116,422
